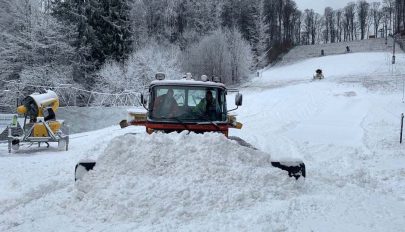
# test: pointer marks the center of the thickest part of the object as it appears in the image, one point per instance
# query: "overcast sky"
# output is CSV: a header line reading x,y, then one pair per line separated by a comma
x,y
319,5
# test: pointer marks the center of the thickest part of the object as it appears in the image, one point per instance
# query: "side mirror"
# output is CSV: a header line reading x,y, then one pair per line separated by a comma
x,y
238,99
143,100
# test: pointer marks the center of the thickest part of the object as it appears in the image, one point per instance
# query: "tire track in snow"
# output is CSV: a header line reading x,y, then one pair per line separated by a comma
x,y
32,195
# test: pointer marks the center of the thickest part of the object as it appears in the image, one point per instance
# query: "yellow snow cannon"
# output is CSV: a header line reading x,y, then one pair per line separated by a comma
x,y
318,75
40,124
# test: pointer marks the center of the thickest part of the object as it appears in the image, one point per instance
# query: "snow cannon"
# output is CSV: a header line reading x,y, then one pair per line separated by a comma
x,y
40,105
40,124
318,74
198,106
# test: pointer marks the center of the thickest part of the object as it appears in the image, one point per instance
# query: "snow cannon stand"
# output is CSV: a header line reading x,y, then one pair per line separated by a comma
x,y
40,124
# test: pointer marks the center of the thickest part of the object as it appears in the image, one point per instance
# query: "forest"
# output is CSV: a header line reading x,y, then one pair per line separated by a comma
x,y
113,46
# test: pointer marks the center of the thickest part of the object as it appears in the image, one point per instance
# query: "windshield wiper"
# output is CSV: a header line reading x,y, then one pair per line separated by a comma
x,y
181,122
205,117
177,119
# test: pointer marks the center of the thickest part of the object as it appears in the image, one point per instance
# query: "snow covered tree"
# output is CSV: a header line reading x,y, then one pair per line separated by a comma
x,y
110,20
35,48
139,70
259,47
75,13
223,54
209,57
230,13
102,32
33,40
240,56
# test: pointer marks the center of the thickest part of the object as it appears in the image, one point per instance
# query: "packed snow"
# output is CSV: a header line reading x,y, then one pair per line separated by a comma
x,y
345,128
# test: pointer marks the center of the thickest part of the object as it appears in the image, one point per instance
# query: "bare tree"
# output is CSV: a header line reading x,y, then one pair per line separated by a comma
x,y
377,14
308,27
339,25
297,28
362,13
328,14
288,16
399,16
349,13
388,8
388,13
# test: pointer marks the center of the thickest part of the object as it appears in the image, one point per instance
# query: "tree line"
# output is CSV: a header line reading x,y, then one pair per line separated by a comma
x,y
115,45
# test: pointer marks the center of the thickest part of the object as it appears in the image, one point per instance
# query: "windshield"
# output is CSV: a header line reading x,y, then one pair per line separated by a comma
x,y
187,103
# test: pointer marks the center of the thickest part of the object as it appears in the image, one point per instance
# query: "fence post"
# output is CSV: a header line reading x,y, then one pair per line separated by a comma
x,y
402,127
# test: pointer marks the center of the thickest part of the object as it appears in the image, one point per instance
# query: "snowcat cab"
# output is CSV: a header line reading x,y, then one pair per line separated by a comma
x,y
178,105
187,104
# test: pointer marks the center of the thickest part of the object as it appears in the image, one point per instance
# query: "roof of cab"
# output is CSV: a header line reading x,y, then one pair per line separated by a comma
x,y
185,82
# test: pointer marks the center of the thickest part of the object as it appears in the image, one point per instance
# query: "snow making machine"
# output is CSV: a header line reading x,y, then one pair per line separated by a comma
x,y
318,75
40,124
188,113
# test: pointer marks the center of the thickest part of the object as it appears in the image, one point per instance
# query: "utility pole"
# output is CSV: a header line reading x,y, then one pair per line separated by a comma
x,y
393,50
402,127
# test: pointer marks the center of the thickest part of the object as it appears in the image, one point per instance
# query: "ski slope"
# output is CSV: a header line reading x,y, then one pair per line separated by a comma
x,y
345,128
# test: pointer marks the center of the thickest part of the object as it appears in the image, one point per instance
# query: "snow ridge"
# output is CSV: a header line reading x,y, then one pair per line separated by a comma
x,y
173,178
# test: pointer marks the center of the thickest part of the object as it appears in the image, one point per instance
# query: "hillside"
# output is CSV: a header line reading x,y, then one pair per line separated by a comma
x,y
345,128
309,51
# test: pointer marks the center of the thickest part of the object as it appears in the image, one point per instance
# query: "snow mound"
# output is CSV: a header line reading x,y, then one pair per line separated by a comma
x,y
177,177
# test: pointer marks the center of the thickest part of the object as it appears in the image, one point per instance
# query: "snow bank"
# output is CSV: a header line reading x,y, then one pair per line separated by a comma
x,y
176,178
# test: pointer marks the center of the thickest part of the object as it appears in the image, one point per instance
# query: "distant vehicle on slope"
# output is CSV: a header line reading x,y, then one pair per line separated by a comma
x,y
200,106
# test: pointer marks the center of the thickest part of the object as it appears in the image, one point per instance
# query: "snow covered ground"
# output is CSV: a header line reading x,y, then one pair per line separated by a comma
x,y
304,52
345,128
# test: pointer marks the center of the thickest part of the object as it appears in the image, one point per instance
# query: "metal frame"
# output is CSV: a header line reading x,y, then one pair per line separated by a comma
x,y
27,138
